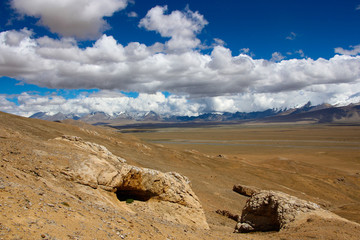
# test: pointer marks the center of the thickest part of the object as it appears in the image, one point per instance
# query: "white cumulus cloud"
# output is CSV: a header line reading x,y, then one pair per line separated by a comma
x,y
82,19
300,52
276,57
132,14
355,50
181,26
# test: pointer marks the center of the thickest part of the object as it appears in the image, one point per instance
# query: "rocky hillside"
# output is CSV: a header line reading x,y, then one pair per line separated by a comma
x,y
71,180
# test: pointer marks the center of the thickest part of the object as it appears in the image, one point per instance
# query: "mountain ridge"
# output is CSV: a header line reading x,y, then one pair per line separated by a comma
x,y
323,113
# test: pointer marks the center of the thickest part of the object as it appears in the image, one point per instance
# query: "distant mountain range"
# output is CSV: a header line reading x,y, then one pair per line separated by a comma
x,y
324,113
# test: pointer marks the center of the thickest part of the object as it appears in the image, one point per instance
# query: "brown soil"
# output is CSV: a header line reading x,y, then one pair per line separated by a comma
x,y
314,162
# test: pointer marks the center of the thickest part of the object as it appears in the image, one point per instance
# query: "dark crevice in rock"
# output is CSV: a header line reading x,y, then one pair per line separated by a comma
x,y
139,195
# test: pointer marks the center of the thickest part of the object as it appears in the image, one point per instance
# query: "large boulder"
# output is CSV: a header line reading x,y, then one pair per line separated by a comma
x,y
272,211
170,191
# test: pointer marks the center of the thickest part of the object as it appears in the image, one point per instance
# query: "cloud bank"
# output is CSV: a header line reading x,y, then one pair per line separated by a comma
x,y
111,102
199,82
109,65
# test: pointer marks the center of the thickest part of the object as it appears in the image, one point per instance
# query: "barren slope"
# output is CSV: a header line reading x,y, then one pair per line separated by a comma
x,y
39,201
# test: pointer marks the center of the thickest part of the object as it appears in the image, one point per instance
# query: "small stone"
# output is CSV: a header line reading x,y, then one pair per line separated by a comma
x,y
243,228
245,190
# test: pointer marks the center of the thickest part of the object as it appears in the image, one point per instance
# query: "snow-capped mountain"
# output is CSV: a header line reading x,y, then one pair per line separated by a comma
x,y
319,113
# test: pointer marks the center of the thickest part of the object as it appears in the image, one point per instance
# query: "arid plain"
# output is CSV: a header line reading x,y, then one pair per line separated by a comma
x,y
319,162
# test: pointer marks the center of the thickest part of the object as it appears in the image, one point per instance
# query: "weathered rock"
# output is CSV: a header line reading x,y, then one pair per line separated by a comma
x,y
271,211
170,190
246,190
228,214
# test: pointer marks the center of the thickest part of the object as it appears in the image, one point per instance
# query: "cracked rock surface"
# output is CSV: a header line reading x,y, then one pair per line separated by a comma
x,y
104,170
272,211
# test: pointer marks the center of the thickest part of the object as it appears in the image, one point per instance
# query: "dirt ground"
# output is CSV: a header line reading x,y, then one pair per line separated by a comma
x,y
320,163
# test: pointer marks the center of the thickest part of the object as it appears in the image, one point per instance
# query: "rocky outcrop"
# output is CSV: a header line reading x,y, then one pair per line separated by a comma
x,y
171,191
246,190
94,148
272,211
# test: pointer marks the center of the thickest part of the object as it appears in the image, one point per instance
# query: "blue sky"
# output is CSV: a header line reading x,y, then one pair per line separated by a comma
x,y
177,57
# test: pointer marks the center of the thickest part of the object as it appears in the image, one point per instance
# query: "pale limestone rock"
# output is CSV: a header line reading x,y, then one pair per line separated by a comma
x,y
246,190
169,192
272,211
